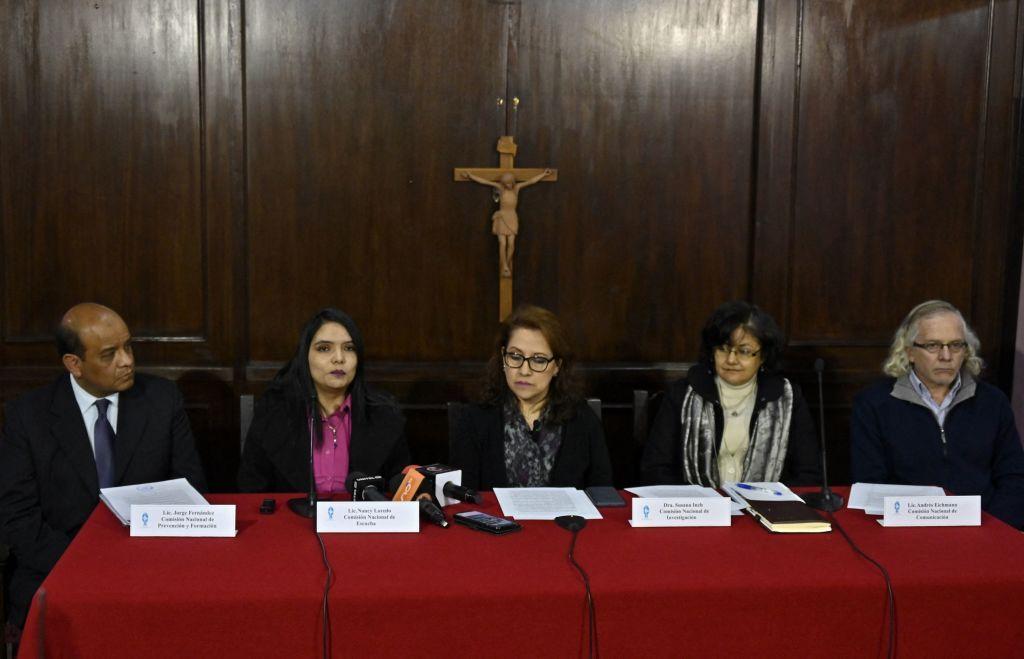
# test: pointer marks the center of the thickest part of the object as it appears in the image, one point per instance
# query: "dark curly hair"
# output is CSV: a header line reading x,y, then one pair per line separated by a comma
x,y
739,313
564,394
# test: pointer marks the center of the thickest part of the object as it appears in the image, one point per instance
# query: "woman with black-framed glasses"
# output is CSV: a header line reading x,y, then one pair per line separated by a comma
x,y
733,417
532,427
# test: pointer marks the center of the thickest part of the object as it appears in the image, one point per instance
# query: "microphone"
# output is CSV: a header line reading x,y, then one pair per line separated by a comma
x,y
574,524
446,485
462,493
365,488
826,500
406,485
409,488
306,506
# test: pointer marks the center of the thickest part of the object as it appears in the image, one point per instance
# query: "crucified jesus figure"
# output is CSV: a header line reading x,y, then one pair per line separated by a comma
x,y
505,221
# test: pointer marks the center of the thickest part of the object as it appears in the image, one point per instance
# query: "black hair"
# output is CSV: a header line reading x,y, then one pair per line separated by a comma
x,y
68,341
294,381
741,314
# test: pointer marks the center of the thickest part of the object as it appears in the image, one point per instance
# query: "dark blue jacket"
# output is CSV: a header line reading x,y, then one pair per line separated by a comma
x,y
896,438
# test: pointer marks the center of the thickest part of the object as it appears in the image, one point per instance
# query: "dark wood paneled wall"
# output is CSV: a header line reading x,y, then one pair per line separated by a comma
x,y
219,170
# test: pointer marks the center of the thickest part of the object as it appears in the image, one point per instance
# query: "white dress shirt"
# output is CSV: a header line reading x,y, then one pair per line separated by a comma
x,y
87,404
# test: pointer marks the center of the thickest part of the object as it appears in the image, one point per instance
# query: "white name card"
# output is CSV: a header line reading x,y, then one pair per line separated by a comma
x,y
191,521
367,517
932,511
687,511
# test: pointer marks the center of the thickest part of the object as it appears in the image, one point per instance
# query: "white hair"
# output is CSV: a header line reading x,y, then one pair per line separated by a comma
x,y
898,364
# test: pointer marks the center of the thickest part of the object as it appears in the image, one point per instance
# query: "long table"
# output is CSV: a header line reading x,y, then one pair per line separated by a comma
x,y
455,592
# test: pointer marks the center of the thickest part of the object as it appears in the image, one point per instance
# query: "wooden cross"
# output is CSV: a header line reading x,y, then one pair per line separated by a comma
x,y
507,182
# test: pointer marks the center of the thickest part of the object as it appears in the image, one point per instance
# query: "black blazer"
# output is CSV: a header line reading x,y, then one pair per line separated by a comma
x,y
477,447
48,481
276,454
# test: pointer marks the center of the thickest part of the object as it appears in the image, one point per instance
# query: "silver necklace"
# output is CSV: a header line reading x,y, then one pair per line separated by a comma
x,y
334,431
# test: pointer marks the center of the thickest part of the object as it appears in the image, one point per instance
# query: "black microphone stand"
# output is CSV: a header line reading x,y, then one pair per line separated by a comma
x,y
306,506
826,499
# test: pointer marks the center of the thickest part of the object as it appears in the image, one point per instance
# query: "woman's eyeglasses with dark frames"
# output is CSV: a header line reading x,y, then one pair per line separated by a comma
x,y
538,363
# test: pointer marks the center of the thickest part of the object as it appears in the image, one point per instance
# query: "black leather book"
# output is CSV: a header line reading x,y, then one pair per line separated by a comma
x,y
788,517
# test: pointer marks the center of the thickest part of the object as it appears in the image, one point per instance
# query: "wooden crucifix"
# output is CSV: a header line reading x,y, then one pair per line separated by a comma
x,y
507,182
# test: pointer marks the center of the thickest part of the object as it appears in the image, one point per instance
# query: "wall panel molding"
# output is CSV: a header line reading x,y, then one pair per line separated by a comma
x,y
217,170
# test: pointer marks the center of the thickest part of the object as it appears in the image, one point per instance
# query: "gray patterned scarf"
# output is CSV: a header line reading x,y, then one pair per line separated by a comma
x,y
528,462
766,452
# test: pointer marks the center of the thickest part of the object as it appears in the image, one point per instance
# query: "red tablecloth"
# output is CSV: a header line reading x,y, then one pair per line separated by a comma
x,y
736,591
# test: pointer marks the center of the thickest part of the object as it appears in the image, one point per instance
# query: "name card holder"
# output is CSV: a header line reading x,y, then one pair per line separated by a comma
x,y
688,511
368,517
189,521
932,511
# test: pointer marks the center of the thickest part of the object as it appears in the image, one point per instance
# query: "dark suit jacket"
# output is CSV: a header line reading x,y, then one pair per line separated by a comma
x,y
276,453
48,481
478,449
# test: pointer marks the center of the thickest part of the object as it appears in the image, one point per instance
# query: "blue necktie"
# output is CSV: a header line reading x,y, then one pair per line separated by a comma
x,y
103,436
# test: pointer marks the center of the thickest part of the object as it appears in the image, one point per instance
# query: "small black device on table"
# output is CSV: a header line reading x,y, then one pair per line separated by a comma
x,y
475,519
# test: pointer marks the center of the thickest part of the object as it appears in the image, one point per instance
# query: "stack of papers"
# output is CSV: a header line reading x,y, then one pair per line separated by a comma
x,y
870,497
544,502
177,492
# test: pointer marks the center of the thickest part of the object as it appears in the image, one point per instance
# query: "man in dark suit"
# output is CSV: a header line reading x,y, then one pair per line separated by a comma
x,y
99,425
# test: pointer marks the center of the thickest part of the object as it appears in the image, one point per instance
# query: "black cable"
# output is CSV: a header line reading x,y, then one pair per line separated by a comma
x,y
593,650
890,594
325,610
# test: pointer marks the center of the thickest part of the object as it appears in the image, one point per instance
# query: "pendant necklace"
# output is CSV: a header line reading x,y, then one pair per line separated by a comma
x,y
333,429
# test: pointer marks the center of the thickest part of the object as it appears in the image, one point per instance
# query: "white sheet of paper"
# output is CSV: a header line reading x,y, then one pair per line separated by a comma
x,y
870,497
173,492
682,491
762,491
544,502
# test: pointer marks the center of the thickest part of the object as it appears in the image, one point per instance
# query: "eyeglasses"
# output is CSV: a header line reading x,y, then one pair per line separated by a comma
x,y
741,352
538,363
935,347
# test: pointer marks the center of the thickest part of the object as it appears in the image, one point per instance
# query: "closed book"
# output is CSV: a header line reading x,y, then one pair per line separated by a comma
x,y
788,517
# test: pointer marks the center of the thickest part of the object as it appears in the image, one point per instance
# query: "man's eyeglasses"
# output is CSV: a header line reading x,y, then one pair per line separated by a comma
x,y
538,363
935,347
741,352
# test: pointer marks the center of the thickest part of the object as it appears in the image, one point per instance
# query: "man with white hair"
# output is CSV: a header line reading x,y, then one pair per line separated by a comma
x,y
932,422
